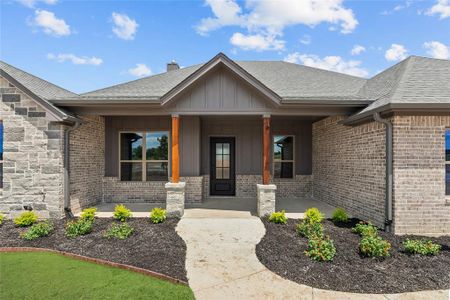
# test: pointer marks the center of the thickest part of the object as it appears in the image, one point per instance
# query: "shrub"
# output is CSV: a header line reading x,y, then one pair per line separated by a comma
x,y
339,216
2,217
421,247
365,229
158,215
121,213
310,231
374,246
313,215
119,231
38,230
88,214
79,227
25,219
278,217
321,249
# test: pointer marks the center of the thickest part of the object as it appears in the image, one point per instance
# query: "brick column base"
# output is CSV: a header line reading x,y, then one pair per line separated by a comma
x,y
266,199
175,198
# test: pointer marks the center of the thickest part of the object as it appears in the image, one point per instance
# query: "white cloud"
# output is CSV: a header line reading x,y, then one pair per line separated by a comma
x,y
140,70
437,50
270,18
396,52
124,27
32,3
357,50
305,40
256,42
50,24
331,63
76,60
441,8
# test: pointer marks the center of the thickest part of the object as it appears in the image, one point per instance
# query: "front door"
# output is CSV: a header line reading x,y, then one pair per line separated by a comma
x,y
222,169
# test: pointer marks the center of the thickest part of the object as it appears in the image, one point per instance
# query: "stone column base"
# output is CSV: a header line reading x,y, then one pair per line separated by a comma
x,y
175,198
266,199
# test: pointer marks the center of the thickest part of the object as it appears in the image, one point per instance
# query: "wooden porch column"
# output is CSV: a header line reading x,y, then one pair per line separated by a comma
x,y
175,149
266,149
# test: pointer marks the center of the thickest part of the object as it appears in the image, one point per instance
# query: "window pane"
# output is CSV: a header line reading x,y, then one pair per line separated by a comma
x,y
131,146
226,173
1,140
219,160
226,161
283,148
219,148
157,145
447,145
447,179
226,148
218,173
131,171
157,171
283,170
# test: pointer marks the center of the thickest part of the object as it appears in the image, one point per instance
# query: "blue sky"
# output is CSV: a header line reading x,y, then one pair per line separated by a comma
x,y
86,45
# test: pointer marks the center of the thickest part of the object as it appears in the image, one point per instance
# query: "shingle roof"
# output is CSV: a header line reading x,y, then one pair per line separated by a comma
x,y
38,86
415,80
289,81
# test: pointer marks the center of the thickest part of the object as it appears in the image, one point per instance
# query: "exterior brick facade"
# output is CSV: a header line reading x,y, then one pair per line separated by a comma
x,y
349,167
33,156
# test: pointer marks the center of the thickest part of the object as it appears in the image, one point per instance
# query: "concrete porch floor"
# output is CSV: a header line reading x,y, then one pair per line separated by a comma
x,y
224,207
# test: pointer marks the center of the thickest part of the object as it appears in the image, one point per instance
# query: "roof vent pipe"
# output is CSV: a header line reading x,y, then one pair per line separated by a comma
x,y
173,65
67,132
389,171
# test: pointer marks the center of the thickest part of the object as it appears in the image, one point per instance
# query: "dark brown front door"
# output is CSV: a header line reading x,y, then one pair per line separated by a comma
x,y
223,177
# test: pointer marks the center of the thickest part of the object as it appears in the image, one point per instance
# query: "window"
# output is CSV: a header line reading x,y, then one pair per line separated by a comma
x,y
222,160
447,162
1,154
144,156
283,156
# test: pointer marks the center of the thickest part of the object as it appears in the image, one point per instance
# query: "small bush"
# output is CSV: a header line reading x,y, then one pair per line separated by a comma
x,y
38,230
79,227
121,213
27,218
421,247
339,216
278,217
374,246
365,229
310,231
2,217
119,231
158,215
321,249
88,214
313,215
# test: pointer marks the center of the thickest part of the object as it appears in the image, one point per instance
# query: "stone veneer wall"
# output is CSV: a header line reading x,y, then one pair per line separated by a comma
x,y
32,158
87,163
349,167
420,204
117,191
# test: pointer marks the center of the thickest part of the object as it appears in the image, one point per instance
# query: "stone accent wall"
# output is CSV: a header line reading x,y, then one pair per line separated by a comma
x,y
87,163
33,156
117,191
420,205
349,167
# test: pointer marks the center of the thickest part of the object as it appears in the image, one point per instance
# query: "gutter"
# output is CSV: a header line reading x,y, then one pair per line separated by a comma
x,y
389,171
67,132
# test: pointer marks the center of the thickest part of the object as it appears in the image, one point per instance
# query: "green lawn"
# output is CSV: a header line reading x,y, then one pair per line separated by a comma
x,y
40,275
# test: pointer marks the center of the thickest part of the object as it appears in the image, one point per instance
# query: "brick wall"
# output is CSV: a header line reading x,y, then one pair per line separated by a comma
x,y
419,175
33,156
87,163
349,167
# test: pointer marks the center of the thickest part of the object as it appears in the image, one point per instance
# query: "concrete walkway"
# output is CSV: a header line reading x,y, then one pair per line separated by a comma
x,y
221,262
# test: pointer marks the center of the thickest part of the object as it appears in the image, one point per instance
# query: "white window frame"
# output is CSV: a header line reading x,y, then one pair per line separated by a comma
x,y
144,160
283,160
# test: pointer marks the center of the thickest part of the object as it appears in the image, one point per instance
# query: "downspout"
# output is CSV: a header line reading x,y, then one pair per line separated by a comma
x,y
67,132
389,171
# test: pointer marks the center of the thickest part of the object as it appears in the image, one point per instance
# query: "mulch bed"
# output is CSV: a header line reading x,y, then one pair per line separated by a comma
x,y
282,251
155,247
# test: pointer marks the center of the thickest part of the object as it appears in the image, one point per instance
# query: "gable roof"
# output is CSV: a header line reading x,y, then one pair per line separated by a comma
x,y
38,89
416,82
287,81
